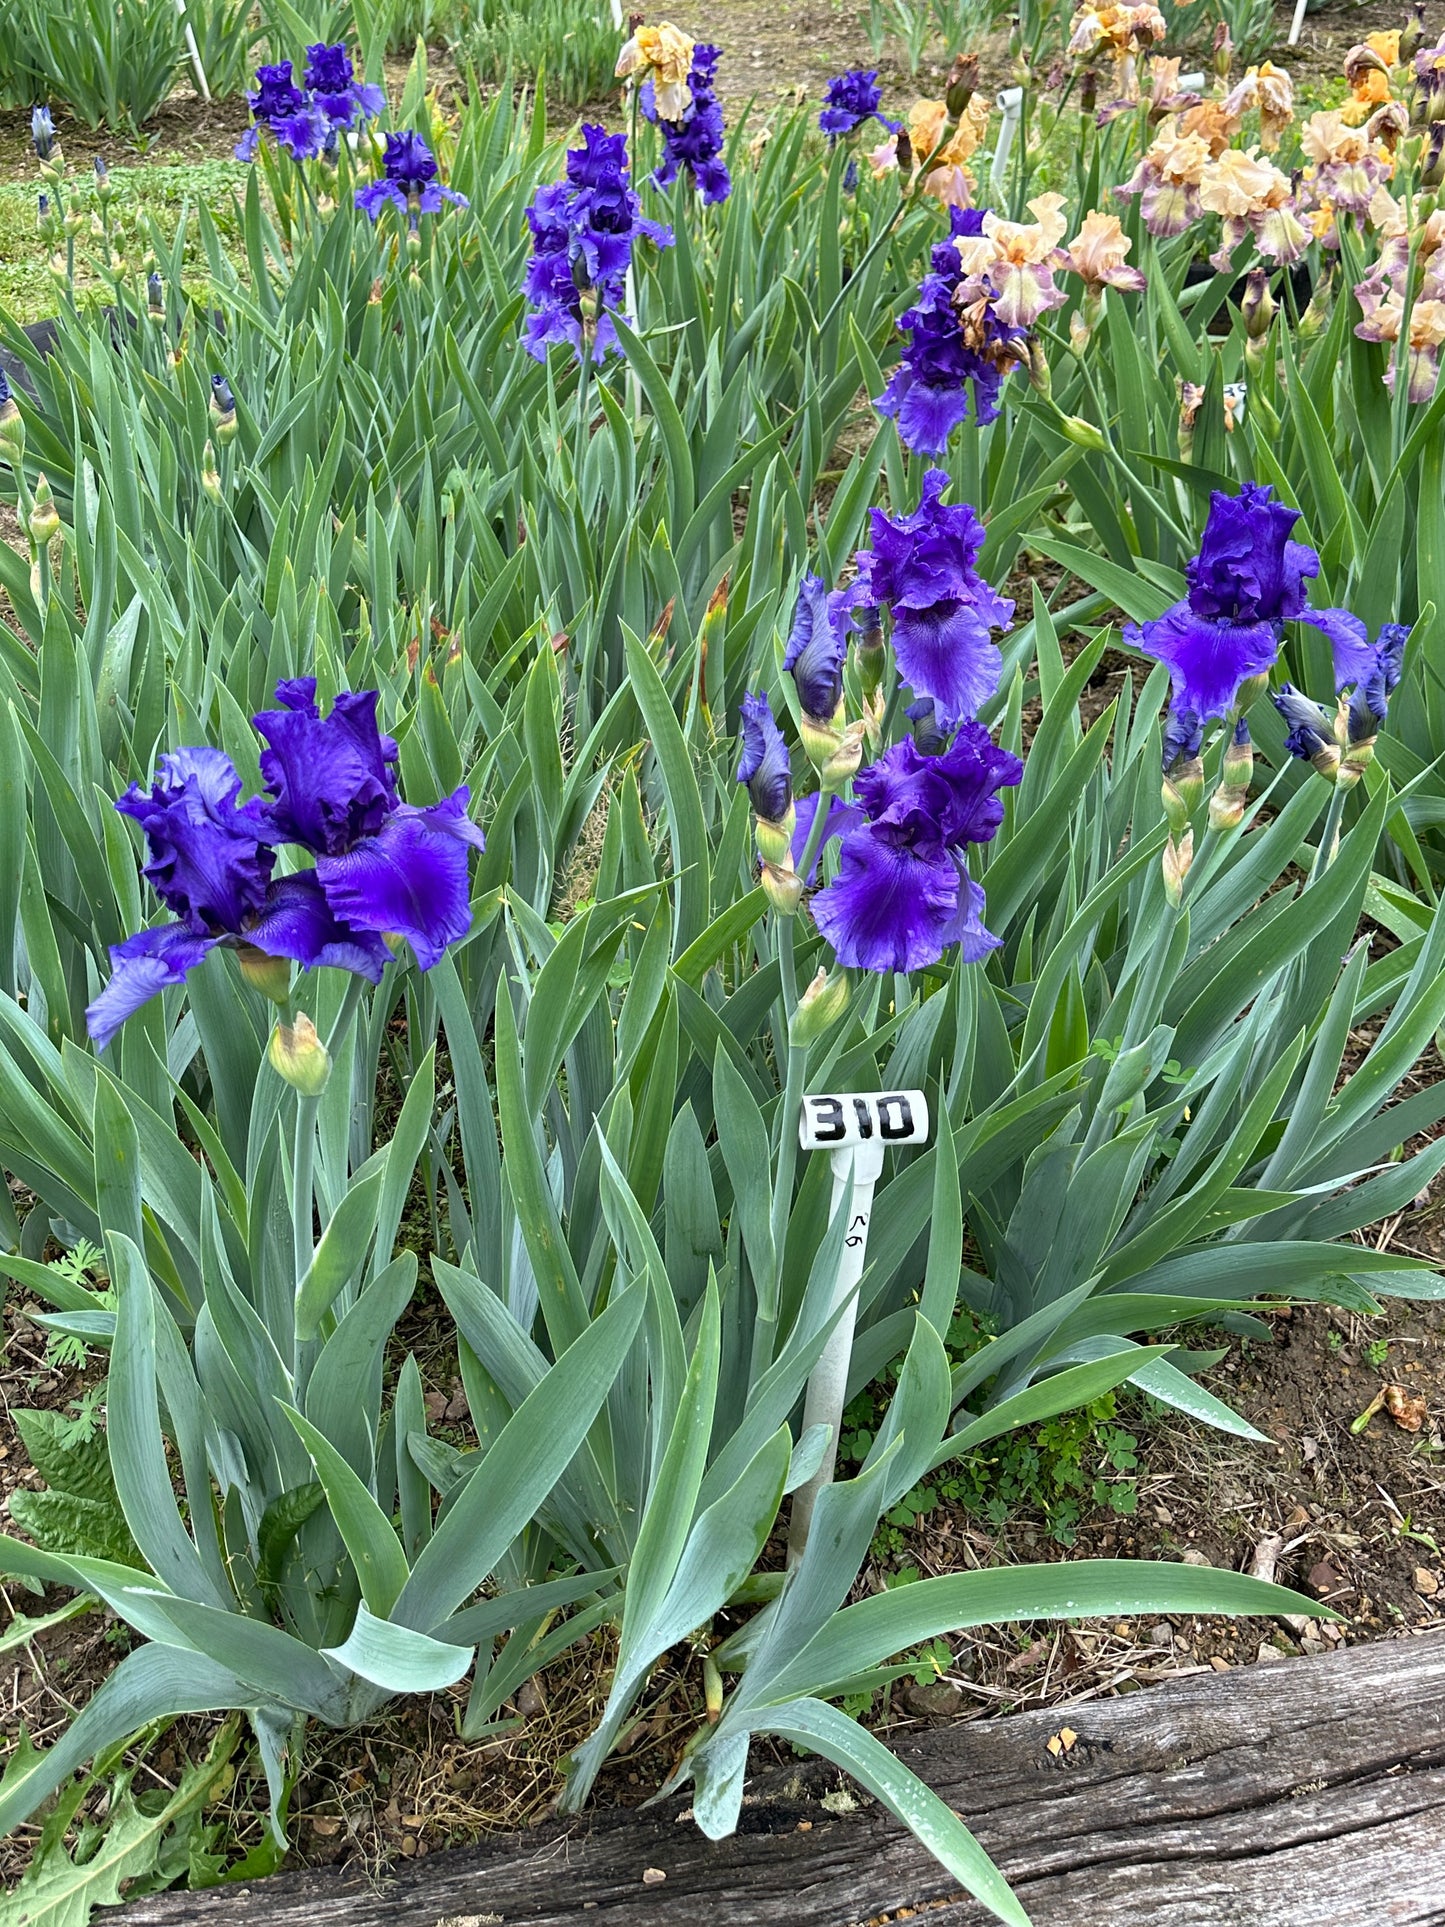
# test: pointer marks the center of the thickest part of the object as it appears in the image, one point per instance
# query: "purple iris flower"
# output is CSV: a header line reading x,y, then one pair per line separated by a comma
x,y
851,100
1183,735
696,141
409,168
1375,680
383,865
928,738
1311,727
1247,581
927,393
277,100
903,894
944,613
818,646
210,861
583,229
342,98
765,765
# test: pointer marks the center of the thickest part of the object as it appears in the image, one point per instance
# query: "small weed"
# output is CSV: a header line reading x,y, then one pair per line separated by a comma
x,y
1056,1469
1377,1351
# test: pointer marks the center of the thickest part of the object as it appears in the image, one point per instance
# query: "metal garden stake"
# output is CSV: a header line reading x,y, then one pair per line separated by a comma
x,y
855,1129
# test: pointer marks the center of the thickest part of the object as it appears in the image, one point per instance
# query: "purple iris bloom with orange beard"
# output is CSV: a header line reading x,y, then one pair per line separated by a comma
x,y
1247,581
944,613
903,893
211,862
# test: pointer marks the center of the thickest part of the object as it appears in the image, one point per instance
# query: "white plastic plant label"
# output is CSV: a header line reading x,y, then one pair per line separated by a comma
x,y
827,1123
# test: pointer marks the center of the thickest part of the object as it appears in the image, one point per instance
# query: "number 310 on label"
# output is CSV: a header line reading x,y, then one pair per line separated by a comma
x,y
863,1117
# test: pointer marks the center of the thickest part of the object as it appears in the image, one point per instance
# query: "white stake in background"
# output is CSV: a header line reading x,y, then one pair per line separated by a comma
x,y
855,1129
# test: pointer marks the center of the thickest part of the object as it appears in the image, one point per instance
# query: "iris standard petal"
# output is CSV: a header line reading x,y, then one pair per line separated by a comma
x,y
331,778
208,861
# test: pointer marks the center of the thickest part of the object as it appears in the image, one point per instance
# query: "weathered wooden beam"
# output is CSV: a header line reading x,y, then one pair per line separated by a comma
x,y
1306,1794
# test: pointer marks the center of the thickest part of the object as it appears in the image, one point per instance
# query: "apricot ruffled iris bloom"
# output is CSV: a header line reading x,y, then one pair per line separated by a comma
x,y
662,54
1252,196
1272,92
1167,180
1018,259
1096,254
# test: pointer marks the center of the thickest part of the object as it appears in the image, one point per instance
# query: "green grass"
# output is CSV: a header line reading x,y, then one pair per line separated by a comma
x,y
151,191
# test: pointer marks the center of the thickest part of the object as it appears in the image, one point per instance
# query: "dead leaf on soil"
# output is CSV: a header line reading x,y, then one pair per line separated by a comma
x,y
1325,1579
1407,1409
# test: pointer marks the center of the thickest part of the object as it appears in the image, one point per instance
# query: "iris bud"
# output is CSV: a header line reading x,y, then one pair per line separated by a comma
x,y
1176,861
44,517
783,887
1257,308
1250,691
1043,381
774,838
1223,50
270,975
12,425
155,298
961,85
819,1007
298,1055
223,408
871,654
1081,433
1432,173
1226,806
835,753
1413,32
210,474
103,187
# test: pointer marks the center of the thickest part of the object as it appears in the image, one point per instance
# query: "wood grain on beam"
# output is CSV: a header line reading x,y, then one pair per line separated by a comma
x,y
1305,1794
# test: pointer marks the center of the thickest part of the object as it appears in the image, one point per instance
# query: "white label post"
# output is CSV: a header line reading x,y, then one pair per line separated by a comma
x,y
855,1128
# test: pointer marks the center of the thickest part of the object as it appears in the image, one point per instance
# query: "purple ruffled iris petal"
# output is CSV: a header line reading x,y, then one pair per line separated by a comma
x,y
408,174
851,100
1247,569
410,879
583,230
944,613
331,779
208,858
141,968
890,907
765,765
1207,660
903,894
